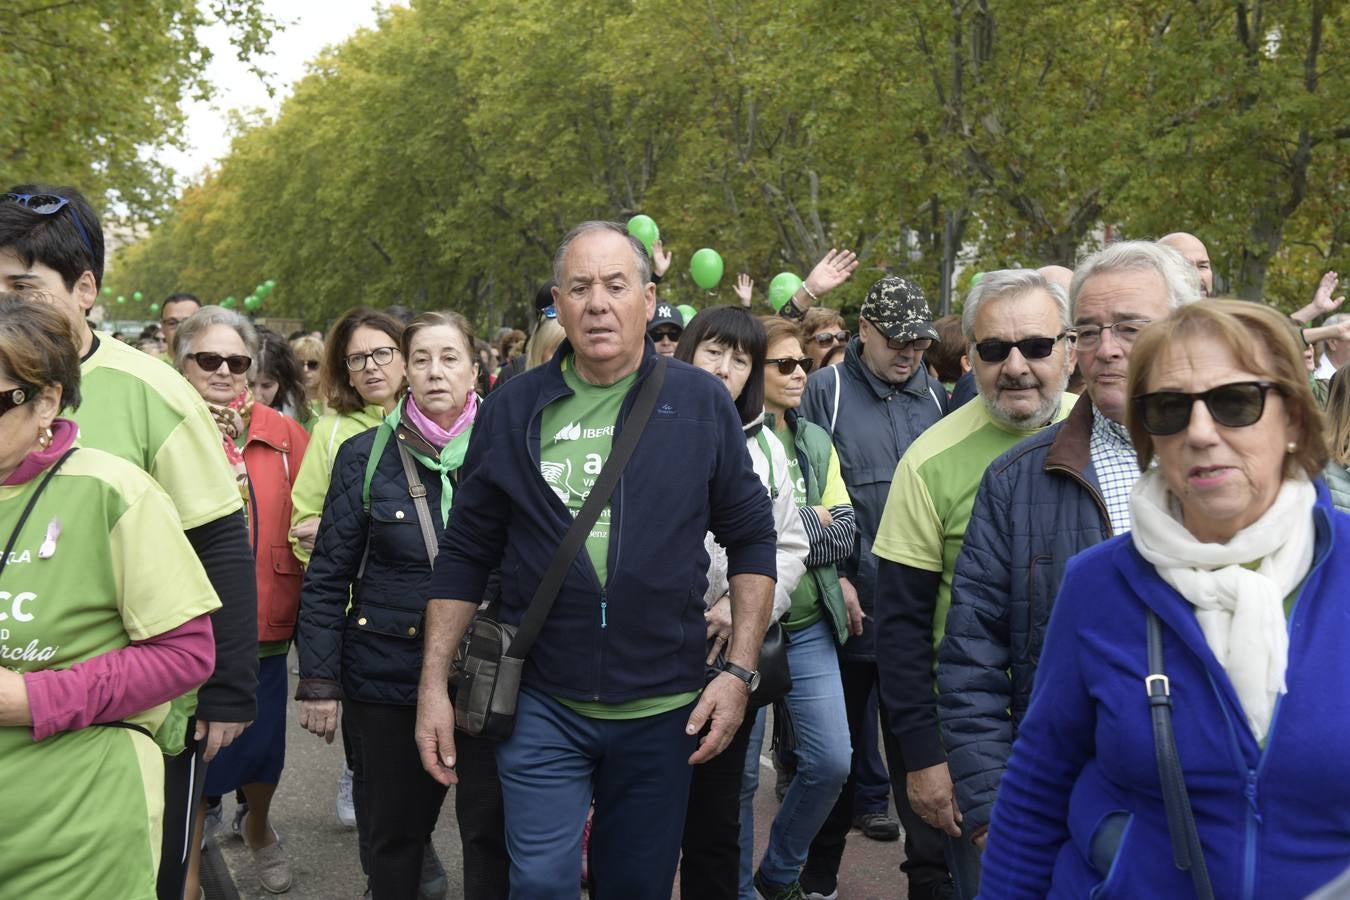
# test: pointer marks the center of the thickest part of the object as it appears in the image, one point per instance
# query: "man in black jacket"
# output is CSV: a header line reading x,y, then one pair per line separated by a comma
x,y
612,699
1054,494
51,247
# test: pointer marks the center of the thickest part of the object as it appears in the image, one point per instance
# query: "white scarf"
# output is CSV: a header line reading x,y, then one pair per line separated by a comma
x,y
1240,611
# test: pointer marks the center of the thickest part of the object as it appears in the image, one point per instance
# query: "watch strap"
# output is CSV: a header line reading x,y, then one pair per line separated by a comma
x,y
742,673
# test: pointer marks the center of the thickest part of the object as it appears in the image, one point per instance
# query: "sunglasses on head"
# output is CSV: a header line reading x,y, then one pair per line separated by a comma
x,y
826,338
210,362
1235,405
786,364
50,205
993,350
12,398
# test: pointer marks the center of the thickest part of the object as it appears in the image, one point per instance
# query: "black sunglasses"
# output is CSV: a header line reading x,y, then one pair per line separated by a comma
x,y
826,338
13,398
1235,405
666,334
993,350
210,362
50,205
311,364
786,364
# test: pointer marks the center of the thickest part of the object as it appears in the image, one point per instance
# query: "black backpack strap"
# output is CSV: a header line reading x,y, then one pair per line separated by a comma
x,y
1186,850
585,519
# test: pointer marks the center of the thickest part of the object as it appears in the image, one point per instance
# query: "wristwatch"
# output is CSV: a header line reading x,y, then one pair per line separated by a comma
x,y
750,678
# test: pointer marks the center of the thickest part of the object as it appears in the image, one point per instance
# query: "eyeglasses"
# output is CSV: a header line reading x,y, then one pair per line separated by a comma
x,y
992,350
1124,332
172,323
13,398
1235,405
311,364
383,356
210,362
666,334
786,364
920,344
50,205
826,338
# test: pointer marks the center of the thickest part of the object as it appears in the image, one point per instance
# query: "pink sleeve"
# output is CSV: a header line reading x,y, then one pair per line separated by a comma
x,y
121,682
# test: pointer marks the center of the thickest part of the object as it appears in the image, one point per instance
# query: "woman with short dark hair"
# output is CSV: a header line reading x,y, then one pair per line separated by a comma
x,y
106,619
1192,704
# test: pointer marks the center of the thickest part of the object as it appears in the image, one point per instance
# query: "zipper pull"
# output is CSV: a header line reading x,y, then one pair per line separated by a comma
x,y
1251,796
603,606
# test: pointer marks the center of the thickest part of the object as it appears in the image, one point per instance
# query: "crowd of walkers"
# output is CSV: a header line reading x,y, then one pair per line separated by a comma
x,y
1073,561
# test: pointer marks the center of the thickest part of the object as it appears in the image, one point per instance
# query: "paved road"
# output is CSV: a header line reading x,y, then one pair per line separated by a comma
x,y
323,854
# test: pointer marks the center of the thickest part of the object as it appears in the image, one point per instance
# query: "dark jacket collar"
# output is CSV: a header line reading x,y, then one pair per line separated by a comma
x,y
853,362
1072,447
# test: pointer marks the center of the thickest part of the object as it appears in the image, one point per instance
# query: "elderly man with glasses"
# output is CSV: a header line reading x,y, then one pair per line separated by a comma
x,y
1016,324
1051,496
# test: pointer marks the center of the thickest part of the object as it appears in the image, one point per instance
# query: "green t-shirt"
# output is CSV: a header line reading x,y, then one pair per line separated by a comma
x,y
135,407
122,571
576,435
928,507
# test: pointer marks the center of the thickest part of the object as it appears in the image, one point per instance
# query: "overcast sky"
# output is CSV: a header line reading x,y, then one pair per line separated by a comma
x,y
311,26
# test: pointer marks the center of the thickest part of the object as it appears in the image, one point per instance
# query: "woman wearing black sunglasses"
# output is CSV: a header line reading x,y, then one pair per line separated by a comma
x,y
1204,651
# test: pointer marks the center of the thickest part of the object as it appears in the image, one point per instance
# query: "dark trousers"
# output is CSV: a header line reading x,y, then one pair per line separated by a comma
x,y
872,785
402,802
925,851
710,850
184,782
351,749
482,821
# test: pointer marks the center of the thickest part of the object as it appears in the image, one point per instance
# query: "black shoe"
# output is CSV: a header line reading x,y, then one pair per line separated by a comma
x,y
933,890
877,826
819,886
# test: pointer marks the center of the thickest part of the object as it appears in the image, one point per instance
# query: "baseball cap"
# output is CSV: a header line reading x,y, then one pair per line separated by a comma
x,y
896,307
666,314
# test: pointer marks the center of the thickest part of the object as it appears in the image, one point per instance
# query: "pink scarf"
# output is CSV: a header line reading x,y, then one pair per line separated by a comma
x,y
435,434
64,432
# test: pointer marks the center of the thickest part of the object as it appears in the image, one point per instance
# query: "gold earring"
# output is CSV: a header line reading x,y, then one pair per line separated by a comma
x,y
45,438
1291,447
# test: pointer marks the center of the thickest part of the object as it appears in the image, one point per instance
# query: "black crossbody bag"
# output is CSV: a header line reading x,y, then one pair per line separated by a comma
x,y
488,664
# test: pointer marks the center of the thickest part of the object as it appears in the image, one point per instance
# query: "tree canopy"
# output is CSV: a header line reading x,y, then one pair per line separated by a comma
x,y
436,160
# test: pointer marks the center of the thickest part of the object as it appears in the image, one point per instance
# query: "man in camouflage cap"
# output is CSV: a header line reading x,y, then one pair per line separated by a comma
x,y
874,405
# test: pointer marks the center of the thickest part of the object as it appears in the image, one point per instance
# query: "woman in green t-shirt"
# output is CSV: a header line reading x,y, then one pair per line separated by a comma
x,y
103,619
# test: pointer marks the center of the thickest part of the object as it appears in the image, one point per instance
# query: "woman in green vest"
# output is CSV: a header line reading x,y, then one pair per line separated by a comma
x,y
817,623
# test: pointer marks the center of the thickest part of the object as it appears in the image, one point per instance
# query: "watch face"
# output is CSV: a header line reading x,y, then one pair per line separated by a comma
x,y
754,682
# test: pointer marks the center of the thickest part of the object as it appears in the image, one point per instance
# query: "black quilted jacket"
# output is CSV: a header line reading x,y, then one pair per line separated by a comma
x,y
373,651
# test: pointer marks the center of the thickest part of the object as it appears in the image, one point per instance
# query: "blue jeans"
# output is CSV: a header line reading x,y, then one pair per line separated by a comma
x,y
816,704
638,772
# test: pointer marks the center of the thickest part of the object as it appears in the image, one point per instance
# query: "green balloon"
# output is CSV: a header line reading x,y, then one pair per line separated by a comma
x,y
270,284
154,307
644,229
228,302
107,292
137,296
976,279
687,311
781,289
252,302
121,299
706,267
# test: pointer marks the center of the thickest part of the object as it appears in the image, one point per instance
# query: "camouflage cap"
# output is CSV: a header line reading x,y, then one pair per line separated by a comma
x,y
896,308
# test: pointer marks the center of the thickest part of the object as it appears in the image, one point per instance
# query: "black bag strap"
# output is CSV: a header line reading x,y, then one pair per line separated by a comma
x,y
585,519
27,510
1186,850
418,492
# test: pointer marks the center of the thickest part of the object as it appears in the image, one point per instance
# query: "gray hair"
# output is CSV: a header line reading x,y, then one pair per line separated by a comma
x,y
644,263
1336,319
1010,283
192,327
1180,277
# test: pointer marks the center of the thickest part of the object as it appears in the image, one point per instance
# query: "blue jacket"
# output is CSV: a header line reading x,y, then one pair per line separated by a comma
x,y
1038,505
871,423
1273,822
643,635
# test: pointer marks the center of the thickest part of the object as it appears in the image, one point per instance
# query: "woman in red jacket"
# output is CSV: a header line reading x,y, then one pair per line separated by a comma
x,y
215,350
